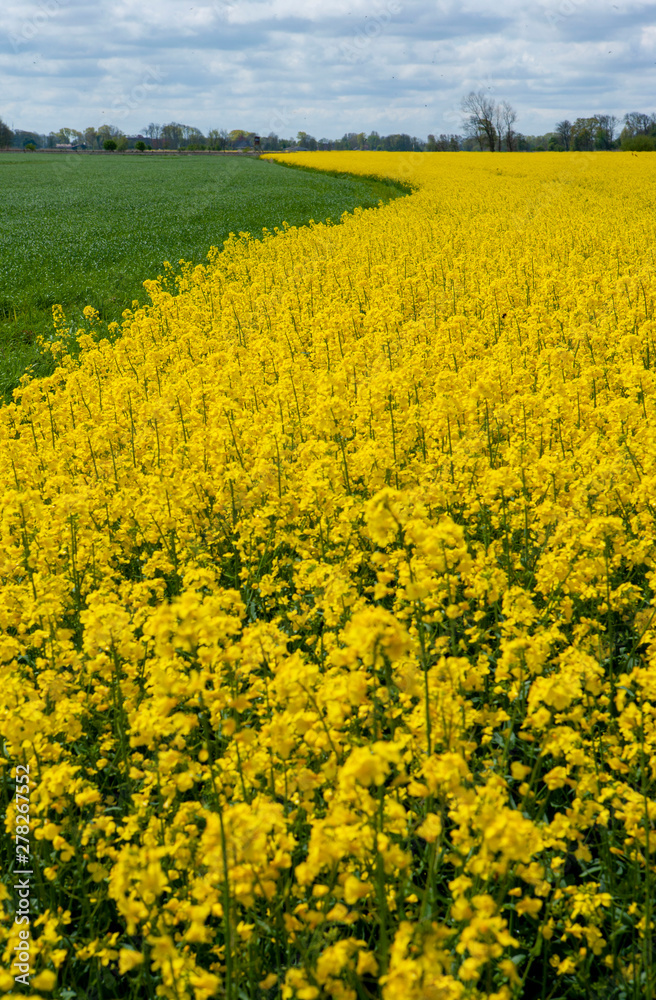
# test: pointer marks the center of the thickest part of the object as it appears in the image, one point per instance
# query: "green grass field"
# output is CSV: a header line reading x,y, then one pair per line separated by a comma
x,y
88,230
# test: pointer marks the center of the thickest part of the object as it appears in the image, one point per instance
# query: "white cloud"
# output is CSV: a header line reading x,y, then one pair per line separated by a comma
x,y
327,66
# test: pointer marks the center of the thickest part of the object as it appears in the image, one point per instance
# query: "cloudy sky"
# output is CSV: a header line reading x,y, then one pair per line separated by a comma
x,y
323,66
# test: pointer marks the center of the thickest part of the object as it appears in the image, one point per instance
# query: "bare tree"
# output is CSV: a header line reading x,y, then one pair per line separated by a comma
x,y
508,119
490,124
480,115
498,125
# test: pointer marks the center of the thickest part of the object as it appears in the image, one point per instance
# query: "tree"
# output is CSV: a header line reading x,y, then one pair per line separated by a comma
x,y
6,134
639,143
108,132
639,123
507,118
533,143
443,144
498,125
564,133
583,133
604,134
238,138
109,144
398,142
305,140
90,137
67,135
172,135
217,138
480,112
21,139
192,135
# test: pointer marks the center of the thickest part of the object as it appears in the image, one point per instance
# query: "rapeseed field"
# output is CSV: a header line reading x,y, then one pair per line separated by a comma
x,y
327,615
78,229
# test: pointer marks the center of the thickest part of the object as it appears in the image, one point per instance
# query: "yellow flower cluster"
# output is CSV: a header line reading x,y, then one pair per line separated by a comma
x,y
327,616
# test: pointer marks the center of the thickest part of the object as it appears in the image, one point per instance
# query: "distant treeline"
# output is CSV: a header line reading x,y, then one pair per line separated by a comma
x,y
482,129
